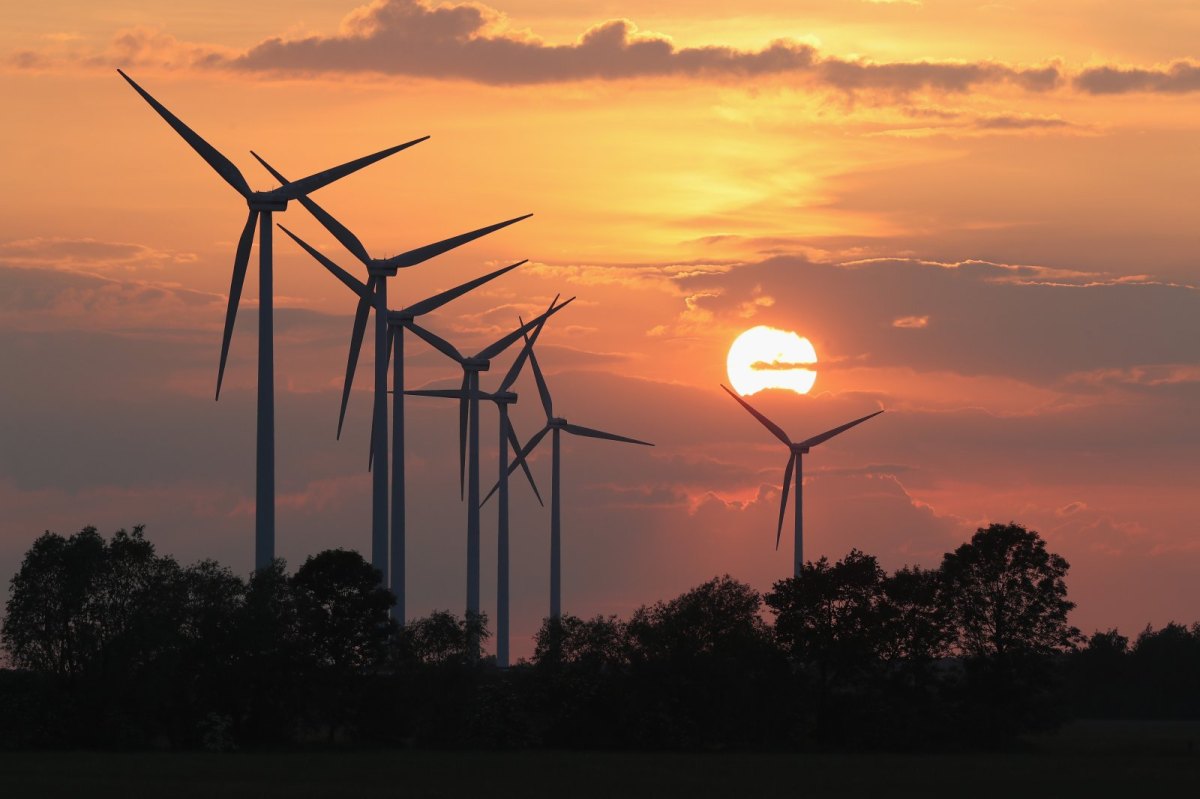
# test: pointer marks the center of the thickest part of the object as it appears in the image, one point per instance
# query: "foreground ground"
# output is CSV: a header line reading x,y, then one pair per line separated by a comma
x,y
1086,759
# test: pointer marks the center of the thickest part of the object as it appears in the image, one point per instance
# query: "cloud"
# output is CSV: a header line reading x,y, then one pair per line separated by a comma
x,y
87,253
1042,326
45,296
1015,122
473,42
1177,78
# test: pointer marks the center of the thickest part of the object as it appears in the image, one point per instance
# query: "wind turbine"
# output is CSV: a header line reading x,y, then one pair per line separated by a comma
x,y
557,425
502,397
262,204
396,322
798,449
469,396
378,271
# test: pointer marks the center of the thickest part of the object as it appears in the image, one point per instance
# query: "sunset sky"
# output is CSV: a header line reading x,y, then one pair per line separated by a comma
x,y
984,216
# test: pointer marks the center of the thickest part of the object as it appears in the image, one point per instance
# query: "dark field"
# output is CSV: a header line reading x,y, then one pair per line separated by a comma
x,y
1086,759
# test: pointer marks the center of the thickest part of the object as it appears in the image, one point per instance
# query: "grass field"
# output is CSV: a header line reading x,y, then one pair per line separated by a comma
x,y
1087,759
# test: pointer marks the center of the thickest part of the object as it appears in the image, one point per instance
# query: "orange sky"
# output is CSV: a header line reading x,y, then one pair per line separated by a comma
x,y
1020,180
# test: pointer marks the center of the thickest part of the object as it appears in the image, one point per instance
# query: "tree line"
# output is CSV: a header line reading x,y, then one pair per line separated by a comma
x,y
113,645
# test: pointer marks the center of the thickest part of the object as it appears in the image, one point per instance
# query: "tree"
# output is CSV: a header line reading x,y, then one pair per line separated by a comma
x,y
1007,600
102,619
1167,664
598,644
719,617
1007,595
441,639
581,669
343,631
1101,677
267,681
702,669
439,678
915,625
828,621
342,612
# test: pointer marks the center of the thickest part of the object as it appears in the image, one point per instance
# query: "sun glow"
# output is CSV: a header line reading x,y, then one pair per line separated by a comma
x,y
763,357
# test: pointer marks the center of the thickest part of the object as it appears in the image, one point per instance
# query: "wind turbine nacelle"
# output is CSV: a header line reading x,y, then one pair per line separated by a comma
x,y
505,397
476,364
381,269
258,202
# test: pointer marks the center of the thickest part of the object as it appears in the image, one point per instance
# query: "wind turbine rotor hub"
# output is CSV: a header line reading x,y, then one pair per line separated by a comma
x,y
799,450
398,318
557,421
505,397
476,364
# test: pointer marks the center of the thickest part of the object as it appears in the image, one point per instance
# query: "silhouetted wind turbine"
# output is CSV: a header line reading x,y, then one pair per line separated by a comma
x,y
264,204
556,424
502,397
378,271
798,449
468,432
396,322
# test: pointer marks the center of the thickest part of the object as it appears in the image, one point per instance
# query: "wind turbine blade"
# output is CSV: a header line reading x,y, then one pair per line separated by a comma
x,y
339,231
520,459
438,300
303,186
543,392
437,342
240,261
350,281
361,314
223,166
590,433
828,434
515,370
767,423
390,335
787,484
515,443
420,254
494,349
464,409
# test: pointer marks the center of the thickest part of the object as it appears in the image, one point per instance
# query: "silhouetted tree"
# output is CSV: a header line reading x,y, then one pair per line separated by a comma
x,y
915,638
1007,599
1167,665
1100,677
581,668
343,631
440,679
101,618
701,665
915,621
441,638
268,673
599,644
829,621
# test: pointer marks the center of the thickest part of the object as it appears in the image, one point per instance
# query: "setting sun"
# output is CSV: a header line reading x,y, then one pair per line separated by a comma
x,y
763,357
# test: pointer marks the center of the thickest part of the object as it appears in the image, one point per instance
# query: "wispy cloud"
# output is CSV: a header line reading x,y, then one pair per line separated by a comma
x,y
1176,78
